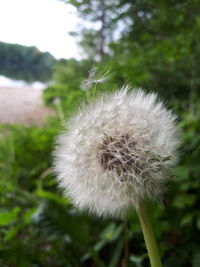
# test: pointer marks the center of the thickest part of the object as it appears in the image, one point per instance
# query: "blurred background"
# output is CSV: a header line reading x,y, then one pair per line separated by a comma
x,y
47,48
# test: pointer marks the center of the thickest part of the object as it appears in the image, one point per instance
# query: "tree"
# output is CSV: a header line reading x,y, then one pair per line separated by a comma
x,y
25,63
156,44
95,36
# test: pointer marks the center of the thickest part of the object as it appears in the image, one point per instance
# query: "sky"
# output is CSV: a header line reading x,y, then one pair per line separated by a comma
x,y
42,23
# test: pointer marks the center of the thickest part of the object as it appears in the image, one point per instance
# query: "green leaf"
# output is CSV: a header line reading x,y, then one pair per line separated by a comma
x,y
9,216
112,232
99,245
138,259
187,219
51,196
181,171
27,216
117,253
11,233
196,260
183,200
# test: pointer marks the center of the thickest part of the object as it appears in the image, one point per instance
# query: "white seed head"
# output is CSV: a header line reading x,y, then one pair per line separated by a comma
x,y
116,152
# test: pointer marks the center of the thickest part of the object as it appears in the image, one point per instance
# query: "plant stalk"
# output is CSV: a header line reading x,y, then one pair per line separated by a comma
x,y
60,112
149,237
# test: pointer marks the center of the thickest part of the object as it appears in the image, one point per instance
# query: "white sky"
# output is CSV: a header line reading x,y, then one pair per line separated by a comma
x,y
41,23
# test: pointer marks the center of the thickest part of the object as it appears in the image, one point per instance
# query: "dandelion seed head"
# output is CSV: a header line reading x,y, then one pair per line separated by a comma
x,y
116,152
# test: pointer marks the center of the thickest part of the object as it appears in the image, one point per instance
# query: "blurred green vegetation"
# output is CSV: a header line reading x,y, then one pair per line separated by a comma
x,y
158,50
25,63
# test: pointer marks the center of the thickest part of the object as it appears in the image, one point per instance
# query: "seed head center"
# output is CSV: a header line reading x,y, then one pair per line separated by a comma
x,y
116,152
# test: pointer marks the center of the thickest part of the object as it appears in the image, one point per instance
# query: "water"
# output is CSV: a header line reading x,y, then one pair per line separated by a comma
x,y
7,82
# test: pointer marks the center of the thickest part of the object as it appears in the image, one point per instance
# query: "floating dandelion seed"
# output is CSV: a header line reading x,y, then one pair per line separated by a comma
x,y
95,78
116,152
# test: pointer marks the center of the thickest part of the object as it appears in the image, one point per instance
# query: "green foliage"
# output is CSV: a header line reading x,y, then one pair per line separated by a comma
x,y
157,50
25,63
68,75
38,226
41,228
160,48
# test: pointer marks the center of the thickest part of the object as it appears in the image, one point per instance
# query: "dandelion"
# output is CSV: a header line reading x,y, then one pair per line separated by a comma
x,y
95,78
116,152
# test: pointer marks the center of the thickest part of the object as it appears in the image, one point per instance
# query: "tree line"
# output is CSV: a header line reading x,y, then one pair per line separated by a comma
x,y
25,63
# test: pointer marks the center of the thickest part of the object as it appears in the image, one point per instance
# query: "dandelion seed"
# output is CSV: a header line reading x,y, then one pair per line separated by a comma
x,y
95,78
116,152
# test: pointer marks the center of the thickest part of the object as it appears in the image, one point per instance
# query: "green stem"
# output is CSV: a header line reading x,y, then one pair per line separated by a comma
x,y
149,236
94,90
60,112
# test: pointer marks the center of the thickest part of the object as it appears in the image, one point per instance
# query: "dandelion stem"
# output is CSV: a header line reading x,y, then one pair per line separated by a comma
x,y
94,90
60,113
149,236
